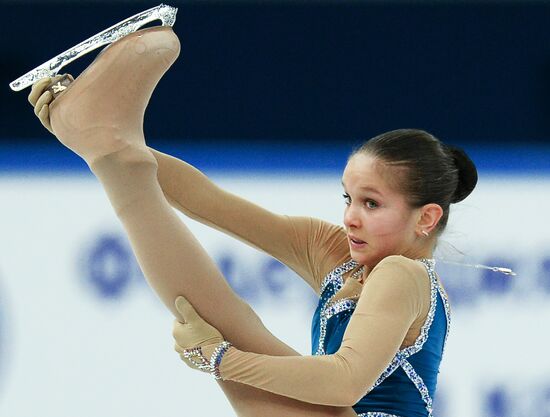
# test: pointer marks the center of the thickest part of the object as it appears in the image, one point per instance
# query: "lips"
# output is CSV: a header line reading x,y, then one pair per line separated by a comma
x,y
356,242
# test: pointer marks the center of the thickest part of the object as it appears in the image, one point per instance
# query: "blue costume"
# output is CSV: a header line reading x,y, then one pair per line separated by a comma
x,y
407,386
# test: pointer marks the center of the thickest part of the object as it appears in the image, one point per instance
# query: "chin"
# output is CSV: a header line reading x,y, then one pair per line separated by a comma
x,y
363,258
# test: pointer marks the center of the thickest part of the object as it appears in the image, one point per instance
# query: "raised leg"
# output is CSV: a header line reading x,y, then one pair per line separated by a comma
x,y
100,117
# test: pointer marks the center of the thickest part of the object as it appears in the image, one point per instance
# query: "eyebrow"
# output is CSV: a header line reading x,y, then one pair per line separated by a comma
x,y
365,188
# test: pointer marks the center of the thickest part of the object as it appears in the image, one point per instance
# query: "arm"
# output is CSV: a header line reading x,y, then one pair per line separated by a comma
x,y
390,302
308,246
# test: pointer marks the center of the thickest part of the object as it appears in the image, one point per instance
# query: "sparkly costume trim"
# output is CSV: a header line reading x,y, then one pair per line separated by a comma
x,y
419,384
402,354
334,277
216,358
339,306
421,339
394,364
400,358
447,308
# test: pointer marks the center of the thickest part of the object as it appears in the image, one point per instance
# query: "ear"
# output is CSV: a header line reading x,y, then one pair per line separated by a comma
x,y
430,214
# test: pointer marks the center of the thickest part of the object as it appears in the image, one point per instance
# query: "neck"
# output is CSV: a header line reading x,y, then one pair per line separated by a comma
x,y
425,250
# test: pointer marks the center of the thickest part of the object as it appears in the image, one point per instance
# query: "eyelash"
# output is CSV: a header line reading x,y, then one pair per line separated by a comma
x,y
367,201
347,199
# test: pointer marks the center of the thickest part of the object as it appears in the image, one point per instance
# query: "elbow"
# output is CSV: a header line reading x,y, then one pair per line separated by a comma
x,y
354,395
346,397
350,388
346,394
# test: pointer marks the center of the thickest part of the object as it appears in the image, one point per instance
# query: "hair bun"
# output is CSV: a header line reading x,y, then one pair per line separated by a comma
x,y
467,173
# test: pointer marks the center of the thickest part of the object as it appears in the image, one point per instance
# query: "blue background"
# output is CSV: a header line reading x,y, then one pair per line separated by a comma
x,y
324,73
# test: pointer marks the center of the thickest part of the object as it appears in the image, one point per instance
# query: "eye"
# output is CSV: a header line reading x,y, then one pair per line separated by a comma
x,y
347,199
371,204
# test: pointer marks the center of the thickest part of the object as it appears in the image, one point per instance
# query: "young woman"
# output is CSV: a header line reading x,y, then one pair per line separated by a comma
x,y
382,320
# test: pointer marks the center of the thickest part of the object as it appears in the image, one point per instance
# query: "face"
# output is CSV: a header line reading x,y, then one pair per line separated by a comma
x,y
378,220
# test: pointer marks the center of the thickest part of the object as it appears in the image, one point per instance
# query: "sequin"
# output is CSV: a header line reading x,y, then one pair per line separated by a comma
x,y
447,309
335,279
329,309
421,339
401,355
420,385
338,306
394,364
336,275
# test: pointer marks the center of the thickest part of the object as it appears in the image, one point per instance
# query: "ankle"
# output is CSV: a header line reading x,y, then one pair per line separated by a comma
x,y
126,159
128,176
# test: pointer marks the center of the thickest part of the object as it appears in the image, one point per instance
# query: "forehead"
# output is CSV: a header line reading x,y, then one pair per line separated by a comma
x,y
362,168
366,171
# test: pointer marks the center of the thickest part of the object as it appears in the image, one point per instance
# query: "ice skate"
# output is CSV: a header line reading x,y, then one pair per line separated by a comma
x,y
102,110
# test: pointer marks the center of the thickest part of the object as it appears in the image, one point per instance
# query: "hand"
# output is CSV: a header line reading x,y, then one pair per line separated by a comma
x,y
41,98
194,333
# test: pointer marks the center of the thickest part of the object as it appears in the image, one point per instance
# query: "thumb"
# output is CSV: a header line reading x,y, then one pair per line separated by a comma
x,y
186,310
38,89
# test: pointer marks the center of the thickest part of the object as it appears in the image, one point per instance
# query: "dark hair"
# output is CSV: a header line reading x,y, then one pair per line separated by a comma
x,y
432,171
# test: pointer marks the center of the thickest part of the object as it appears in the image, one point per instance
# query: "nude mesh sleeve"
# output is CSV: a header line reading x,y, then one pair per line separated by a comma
x,y
175,264
390,302
308,246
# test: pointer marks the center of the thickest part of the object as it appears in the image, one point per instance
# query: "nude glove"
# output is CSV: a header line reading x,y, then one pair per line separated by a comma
x,y
41,96
194,332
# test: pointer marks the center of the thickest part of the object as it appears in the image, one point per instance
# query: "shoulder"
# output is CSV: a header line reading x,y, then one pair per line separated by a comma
x,y
315,226
394,286
402,263
400,270
327,228
329,239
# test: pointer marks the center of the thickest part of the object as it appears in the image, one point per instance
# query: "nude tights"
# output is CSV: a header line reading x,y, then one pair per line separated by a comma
x,y
175,264
100,117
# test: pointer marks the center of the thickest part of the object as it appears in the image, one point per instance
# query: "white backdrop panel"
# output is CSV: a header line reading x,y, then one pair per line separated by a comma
x,y
81,333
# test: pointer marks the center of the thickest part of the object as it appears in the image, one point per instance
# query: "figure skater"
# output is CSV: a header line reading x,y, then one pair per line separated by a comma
x,y
383,317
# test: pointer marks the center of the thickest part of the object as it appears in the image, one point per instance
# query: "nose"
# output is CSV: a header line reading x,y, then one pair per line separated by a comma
x,y
351,218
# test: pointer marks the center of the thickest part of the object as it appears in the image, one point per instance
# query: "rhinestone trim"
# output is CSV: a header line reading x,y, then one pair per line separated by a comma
x,y
211,366
190,354
400,359
419,384
338,306
394,364
419,342
335,278
402,354
447,308
336,275
216,358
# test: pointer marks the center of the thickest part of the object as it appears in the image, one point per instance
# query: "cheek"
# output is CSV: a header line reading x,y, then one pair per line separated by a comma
x,y
386,224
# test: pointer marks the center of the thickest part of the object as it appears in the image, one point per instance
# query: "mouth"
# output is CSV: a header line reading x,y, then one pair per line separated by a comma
x,y
356,242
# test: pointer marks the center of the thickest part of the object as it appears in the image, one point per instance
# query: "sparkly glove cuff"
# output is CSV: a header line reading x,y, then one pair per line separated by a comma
x,y
216,358
197,359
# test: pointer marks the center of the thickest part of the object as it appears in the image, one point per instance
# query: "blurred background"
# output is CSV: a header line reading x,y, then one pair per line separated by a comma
x,y
268,98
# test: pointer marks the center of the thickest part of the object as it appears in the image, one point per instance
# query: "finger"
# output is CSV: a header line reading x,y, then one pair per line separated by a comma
x,y
38,88
44,100
176,326
44,117
178,349
60,84
180,331
186,310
